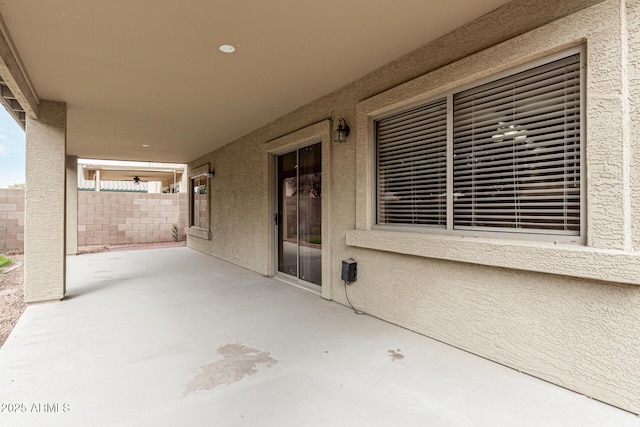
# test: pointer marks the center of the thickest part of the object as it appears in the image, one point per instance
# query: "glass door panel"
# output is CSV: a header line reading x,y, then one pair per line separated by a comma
x,y
310,214
299,215
288,214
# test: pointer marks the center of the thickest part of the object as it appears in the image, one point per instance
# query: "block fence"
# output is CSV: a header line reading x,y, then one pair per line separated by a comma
x,y
117,218
11,219
105,218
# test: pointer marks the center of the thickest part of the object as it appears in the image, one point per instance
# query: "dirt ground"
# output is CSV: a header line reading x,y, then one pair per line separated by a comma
x,y
11,294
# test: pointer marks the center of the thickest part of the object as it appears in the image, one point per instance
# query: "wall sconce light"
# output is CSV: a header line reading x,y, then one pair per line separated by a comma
x,y
342,132
136,180
211,174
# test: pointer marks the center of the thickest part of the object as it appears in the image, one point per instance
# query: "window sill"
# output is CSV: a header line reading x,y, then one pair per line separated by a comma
x,y
543,257
198,232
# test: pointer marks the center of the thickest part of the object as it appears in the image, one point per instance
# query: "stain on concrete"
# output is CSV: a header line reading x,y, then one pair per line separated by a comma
x,y
396,355
237,362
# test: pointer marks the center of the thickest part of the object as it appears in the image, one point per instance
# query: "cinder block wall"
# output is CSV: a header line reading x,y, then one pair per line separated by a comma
x,y
11,219
114,218
105,218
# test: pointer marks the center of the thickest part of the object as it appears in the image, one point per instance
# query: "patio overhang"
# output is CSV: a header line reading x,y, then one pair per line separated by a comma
x,y
17,93
153,75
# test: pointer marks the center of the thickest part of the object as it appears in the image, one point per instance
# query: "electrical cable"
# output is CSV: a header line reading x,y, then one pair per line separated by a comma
x,y
358,312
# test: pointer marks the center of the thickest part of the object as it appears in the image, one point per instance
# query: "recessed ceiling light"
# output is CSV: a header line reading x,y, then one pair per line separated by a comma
x,y
145,145
227,48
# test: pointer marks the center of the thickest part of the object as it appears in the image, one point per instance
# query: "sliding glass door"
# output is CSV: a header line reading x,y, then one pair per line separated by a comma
x,y
299,214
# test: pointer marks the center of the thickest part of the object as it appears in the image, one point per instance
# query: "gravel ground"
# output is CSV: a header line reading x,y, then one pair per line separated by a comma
x,y
11,295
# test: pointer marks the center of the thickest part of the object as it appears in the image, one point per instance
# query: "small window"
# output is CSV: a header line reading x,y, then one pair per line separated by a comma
x,y
504,156
199,202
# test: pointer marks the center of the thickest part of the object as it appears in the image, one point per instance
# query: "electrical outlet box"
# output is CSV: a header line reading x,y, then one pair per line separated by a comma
x,y
349,270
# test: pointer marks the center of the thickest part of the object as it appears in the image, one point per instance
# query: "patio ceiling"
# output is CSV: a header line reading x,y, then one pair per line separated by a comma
x,y
150,73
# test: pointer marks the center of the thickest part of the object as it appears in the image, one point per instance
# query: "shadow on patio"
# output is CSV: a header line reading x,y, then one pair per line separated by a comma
x,y
175,337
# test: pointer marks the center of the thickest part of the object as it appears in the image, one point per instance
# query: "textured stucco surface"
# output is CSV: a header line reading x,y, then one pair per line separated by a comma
x,y
633,79
238,203
45,170
573,260
579,333
576,333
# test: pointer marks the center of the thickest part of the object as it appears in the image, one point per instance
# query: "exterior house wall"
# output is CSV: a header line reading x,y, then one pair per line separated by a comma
x,y
633,109
11,219
564,313
116,218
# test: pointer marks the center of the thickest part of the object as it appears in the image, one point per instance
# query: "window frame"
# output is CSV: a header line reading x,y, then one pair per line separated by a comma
x,y
525,234
193,230
192,210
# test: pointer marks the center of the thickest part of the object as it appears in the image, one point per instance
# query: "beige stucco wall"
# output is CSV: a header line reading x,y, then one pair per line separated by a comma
x,y
239,205
515,302
633,79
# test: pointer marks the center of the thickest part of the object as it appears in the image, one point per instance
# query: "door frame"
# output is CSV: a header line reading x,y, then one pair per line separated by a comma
x,y
317,133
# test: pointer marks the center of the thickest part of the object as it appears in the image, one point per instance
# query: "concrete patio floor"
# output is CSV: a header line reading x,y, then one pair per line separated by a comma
x,y
172,337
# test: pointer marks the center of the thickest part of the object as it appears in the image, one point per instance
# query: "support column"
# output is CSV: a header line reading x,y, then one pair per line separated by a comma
x,y
44,251
72,206
98,180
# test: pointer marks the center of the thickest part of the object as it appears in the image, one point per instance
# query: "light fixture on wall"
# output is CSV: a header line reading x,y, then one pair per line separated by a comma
x,y
342,132
136,180
211,174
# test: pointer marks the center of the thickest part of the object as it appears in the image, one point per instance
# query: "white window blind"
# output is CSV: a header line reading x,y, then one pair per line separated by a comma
x,y
412,166
517,151
509,149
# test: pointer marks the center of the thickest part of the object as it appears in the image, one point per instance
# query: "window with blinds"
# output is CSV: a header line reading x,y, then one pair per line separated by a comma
x,y
514,156
412,166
